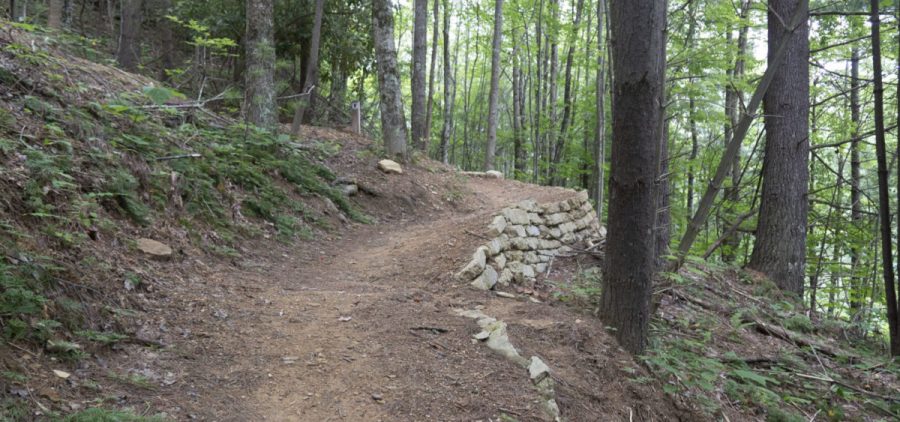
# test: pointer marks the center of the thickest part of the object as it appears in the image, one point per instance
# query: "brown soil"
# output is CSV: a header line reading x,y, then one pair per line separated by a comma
x,y
358,325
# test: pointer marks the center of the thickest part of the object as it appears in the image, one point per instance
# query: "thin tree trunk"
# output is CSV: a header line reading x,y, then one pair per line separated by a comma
x,y
856,297
495,87
393,122
420,50
780,247
600,131
734,97
166,40
429,112
567,88
884,211
55,14
448,80
518,147
128,54
312,70
639,60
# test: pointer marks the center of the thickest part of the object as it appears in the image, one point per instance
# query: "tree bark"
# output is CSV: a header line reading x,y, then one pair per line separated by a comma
x,y
429,109
259,95
780,247
128,53
393,122
55,14
449,98
567,88
600,131
855,296
167,41
419,67
312,69
734,97
884,208
491,146
517,118
639,62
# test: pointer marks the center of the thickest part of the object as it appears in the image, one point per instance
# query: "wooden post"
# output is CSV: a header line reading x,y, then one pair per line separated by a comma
x,y
356,117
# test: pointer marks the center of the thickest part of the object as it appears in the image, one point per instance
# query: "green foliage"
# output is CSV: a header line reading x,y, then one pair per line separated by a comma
x,y
106,415
104,338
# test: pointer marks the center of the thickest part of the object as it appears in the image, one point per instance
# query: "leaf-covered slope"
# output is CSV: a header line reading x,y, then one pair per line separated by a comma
x,y
728,342
94,158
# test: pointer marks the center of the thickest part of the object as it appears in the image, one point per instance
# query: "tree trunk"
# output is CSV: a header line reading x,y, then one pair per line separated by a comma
x,y
312,69
18,10
55,14
734,97
567,88
780,247
600,132
167,41
518,143
495,87
639,61
259,95
128,54
419,67
884,208
429,110
856,297
448,80
393,122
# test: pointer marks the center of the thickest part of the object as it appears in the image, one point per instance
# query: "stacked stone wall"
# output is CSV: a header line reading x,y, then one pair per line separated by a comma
x,y
526,237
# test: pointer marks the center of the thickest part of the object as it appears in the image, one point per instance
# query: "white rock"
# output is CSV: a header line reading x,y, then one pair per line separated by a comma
x,y
487,279
493,174
515,231
516,216
556,219
533,231
154,248
537,369
540,268
500,261
506,276
497,226
475,267
528,271
528,205
390,166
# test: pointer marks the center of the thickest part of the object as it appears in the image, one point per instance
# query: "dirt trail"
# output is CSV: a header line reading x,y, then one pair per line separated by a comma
x,y
356,329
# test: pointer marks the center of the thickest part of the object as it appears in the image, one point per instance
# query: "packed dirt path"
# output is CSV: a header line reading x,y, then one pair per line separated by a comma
x,y
360,326
359,329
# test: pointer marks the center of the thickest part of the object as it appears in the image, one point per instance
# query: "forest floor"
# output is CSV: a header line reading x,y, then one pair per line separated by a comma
x,y
359,325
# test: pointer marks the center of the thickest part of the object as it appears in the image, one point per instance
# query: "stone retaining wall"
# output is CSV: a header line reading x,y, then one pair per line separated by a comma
x,y
526,237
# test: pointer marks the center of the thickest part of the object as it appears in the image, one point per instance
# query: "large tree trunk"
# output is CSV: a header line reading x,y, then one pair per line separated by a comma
x,y
780,248
128,54
639,62
393,122
419,67
259,95
495,87
55,14
312,69
449,98
884,208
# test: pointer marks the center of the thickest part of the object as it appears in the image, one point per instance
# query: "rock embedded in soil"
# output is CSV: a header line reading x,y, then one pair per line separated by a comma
x,y
390,167
154,248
